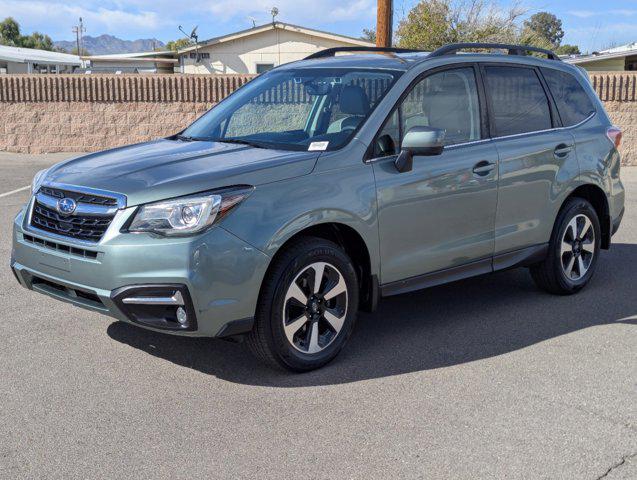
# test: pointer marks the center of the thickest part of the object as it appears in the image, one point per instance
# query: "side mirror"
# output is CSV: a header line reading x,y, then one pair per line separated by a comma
x,y
419,141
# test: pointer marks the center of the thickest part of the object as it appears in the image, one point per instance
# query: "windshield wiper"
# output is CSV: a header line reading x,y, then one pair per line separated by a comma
x,y
185,138
241,141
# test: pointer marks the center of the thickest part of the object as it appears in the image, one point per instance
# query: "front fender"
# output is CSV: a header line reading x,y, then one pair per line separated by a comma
x,y
277,211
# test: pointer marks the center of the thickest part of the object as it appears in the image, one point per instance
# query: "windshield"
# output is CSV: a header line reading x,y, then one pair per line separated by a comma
x,y
296,109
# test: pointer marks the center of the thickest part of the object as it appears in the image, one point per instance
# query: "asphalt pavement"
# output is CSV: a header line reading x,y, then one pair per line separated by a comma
x,y
484,378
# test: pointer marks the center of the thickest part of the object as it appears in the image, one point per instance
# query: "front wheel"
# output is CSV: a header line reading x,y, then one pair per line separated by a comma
x,y
573,250
307,306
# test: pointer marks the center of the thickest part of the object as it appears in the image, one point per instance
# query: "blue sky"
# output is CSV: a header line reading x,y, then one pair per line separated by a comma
x,y
585,22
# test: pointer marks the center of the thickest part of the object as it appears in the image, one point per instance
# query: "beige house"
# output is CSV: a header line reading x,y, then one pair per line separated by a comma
x,y
622,58
259,49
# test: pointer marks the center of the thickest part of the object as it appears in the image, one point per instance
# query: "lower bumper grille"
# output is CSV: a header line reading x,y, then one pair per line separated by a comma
x,y
82,227
80,252
82,297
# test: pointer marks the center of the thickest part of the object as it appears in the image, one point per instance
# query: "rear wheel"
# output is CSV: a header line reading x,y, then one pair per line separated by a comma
x,y
307,306
573,250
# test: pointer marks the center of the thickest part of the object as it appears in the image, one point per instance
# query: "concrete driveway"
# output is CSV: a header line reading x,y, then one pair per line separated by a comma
x,y
484,378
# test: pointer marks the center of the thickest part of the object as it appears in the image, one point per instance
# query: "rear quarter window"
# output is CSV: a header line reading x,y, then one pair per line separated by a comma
x,y
573,103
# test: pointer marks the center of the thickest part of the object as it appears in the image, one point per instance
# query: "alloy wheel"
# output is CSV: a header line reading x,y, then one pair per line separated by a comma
x,y
577,248
315,307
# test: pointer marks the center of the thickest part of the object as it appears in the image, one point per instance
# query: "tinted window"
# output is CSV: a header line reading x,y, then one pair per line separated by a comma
x,y
518,100
446,100
572,101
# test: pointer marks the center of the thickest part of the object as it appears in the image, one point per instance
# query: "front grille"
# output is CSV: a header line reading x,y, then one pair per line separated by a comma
x,y
79,197
82,227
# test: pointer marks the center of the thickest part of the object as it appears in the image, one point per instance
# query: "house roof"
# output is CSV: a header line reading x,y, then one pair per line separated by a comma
x,y
42,57
129,58
617,52
282,26
136,55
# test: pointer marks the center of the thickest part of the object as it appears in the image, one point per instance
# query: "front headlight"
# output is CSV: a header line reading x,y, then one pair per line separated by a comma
x,y
37,180
187,215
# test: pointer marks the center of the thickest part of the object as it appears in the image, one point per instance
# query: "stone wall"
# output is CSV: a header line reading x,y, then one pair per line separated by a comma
x,y
74,113
56,113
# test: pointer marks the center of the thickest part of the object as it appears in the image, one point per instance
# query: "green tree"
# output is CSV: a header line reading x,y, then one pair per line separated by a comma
x,y
567,49
433,23
545,25
369,35
37,40
9,32
10,35
427,26
178,44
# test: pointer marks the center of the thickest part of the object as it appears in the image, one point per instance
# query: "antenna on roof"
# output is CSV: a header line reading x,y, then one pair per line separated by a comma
x,y
193,37
253,20
274,12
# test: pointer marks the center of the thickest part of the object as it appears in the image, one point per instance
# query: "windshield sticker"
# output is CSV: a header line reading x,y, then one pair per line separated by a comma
x,y
317,146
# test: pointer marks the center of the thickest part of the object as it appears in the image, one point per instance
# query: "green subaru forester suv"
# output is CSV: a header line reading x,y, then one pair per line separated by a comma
x,y
325,184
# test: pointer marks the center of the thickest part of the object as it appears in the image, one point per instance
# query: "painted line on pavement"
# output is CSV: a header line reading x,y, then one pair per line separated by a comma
x,y
6,194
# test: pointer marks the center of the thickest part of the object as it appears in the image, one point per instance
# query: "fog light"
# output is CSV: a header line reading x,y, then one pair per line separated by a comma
x,y
182,318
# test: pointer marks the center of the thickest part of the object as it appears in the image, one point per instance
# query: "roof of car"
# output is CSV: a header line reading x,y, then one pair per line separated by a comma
x,y
404,60
386,61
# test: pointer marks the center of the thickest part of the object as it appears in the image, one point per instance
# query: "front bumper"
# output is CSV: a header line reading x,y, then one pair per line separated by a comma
x,y
221,274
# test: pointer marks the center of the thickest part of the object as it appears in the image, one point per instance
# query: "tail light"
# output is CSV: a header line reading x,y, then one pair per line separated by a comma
x,y
614,134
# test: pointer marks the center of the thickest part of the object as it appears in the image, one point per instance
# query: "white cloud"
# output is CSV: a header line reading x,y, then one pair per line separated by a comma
x,y
590,13
623,12
64,15
135,18
306,12
592,38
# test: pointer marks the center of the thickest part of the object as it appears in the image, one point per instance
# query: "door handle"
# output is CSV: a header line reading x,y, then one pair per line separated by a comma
x,y
483,168
562,150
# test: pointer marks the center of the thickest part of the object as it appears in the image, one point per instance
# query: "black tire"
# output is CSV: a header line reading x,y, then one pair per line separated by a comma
x,y
550,274
268,340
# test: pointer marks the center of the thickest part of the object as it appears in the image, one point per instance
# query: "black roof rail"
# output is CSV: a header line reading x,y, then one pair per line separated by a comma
x,y
512,49
330,52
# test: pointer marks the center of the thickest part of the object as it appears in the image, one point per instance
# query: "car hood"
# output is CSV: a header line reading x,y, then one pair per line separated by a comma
x,y
165,168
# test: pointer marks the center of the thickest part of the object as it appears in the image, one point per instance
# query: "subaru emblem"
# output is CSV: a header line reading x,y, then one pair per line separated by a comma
x,y
66,206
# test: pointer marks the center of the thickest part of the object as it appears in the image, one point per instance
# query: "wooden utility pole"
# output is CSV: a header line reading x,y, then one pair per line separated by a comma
x,y
384,18
78,30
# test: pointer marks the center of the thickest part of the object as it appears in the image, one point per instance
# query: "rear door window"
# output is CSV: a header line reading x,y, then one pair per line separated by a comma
x,y
518,101
570,97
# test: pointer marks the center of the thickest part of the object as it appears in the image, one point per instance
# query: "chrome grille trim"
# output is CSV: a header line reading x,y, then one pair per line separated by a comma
x,y
95,211
120,200
85,198
82,208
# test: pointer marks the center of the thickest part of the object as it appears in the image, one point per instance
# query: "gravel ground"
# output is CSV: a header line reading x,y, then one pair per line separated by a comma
x,y
484,378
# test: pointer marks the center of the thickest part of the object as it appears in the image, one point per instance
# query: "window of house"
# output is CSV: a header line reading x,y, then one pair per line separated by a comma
x,y
264,67
572,101
519,104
